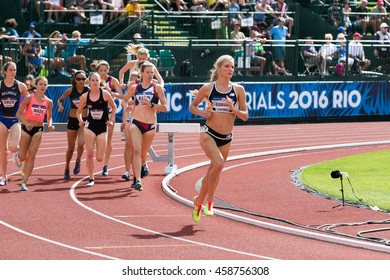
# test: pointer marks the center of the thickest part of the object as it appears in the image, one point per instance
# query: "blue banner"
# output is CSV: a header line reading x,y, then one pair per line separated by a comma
x,y
274,100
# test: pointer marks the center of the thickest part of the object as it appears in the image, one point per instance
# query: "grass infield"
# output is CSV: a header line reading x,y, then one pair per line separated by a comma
x,y
369,174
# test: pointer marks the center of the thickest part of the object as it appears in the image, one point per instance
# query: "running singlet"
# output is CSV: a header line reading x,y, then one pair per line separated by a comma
x,y
36,110
9,99
97,110
75,97
148,93
108,85
218,99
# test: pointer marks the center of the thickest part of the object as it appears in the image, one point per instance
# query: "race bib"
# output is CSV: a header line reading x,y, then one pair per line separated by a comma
x,y
96,114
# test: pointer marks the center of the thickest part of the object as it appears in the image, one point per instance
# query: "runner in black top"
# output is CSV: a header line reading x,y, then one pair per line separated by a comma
x,y
97,101
73,129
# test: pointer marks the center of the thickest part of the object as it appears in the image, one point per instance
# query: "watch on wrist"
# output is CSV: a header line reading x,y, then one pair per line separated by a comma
x,y
152,104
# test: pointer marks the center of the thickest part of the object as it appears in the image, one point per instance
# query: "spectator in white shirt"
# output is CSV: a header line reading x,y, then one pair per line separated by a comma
x,y
356,51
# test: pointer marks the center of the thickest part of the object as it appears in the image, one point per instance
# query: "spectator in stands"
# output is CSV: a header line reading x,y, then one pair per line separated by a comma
x,y
198,5
279,33
342,51
383,51
264,14
329,52
312,56
54,49
134,12
137,39
218,5
234,12
361,20
31,32
72,45
269,64
4,36
379,9
107,5
237,36
281,8
342,30
178,5
346,10
72,5
10,25
254,41
334,14
47,5
356,51
88,6
32,50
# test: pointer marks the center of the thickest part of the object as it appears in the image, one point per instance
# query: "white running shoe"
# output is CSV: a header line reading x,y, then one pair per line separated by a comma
x,y
3,182
91,183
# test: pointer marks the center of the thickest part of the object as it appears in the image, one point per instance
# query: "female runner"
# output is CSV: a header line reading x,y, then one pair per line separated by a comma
x,y
31,113
11,91
226,100
97,101
110,84
134,65
148,99
74,131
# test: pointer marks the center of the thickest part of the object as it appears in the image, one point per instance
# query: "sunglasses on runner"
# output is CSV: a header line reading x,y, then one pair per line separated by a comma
x,y
79,79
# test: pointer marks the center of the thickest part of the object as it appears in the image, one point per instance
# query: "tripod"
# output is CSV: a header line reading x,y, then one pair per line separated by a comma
x,y
342,194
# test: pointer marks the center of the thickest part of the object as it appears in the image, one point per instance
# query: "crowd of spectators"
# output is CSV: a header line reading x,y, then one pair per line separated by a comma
x,y
272,25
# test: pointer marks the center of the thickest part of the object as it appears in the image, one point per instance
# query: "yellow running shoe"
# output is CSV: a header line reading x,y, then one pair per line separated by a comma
x,y
197,210
209,208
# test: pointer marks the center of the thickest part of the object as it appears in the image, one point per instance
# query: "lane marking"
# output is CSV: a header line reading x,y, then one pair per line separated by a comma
x,y
73,196
141,246
298,232
56,242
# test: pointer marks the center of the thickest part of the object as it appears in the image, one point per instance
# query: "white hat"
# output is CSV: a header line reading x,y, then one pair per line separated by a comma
x,y
137,36
383,24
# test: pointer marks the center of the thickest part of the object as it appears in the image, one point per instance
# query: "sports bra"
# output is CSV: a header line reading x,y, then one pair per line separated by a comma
x,y
217,99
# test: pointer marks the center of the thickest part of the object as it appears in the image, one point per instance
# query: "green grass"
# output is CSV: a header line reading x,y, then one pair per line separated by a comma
x,y
369,174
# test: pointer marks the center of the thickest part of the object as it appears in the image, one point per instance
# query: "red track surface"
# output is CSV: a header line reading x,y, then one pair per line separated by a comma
x,y
111,220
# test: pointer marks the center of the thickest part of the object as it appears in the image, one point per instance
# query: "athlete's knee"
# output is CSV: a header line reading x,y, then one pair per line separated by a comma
x,y
13,148
218,164
89,155
99,158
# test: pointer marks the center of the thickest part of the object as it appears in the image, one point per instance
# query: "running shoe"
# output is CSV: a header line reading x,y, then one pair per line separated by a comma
x,y
137,185
196,213
126,176
144,171
76,169
91,183
16,158
66,174
123,138
209,208
3,182
105,170
24,187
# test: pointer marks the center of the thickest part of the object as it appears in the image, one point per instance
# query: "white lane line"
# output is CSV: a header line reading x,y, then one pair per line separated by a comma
x,y
298,232
56,242
73,196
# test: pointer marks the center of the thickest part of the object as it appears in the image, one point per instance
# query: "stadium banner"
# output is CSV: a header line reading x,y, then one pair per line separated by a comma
x,y
273,100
